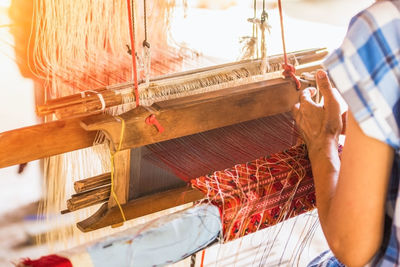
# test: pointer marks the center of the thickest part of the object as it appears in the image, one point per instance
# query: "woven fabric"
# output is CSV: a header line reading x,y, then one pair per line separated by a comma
x,y
260,193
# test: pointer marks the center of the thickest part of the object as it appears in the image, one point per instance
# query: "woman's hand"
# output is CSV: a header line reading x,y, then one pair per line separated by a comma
x,y
320,124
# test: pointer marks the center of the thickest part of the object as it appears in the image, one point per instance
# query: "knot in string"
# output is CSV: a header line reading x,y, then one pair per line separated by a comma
x,y
290,72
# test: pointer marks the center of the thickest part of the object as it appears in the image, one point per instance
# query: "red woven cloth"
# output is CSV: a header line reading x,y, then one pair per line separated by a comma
x,y
48,261
261,193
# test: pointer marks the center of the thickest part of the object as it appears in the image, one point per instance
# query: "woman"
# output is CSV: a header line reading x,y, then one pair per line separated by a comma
x,y
357,196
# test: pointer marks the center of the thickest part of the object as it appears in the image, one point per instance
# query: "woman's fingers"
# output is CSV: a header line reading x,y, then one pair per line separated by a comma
x,y
296,112
306,107
344,122
331,101
325,87
306,95
313,91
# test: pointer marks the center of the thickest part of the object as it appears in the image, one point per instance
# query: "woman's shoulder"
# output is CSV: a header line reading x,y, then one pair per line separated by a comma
x,y
366,70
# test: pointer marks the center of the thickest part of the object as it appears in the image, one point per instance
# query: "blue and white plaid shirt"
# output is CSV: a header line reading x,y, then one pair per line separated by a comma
x,y
366,70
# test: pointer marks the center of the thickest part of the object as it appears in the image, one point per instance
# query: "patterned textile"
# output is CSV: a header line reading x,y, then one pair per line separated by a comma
x,y
366,70
261,193
326,259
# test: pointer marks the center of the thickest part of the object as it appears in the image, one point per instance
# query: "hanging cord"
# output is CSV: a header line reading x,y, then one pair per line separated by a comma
x,y
288,69
264,26
133,52
264,14
112,154
255,16
145,42
146,48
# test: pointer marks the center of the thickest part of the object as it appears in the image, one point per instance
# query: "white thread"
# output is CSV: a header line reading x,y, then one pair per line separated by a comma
x,y
100,96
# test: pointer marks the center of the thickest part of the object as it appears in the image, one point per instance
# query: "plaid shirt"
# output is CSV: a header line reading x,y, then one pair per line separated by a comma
x,y
366,71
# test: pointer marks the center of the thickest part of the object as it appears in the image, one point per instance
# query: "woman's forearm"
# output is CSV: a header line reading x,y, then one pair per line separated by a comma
x,y
351,202
325,167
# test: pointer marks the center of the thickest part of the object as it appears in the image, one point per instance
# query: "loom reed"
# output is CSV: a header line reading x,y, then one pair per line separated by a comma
x,y
167,87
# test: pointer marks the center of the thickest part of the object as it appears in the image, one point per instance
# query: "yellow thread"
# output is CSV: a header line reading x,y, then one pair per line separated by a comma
x,y
112,167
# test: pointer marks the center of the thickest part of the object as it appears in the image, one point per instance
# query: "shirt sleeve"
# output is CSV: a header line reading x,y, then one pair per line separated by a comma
x,y
365,69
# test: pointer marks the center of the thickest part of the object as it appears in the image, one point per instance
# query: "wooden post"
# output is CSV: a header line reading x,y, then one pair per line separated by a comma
x,y
121,178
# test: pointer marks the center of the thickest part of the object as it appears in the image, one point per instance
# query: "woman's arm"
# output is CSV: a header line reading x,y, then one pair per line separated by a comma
x,y
351,205
351,197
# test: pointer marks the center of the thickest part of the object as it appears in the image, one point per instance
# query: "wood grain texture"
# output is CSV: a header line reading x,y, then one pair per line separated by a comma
x,y
43,140
88,198
121,177
140,207
92,182
198,113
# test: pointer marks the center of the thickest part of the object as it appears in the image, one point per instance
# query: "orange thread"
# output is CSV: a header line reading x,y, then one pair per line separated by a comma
x,y
288,69
202,258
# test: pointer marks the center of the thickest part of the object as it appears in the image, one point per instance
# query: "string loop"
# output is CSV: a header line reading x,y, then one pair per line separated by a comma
x,y
152,120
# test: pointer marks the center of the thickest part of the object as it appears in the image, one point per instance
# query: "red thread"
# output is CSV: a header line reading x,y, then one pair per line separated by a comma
x,y
248,205
133,53
153,121
289,70
48,261
202,258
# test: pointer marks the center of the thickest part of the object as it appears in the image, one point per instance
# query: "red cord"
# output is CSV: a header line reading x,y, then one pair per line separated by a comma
x,y
202,258
288,69
133,53
152,120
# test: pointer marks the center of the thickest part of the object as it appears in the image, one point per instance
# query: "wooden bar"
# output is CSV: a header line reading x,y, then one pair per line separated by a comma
x,y
43,140
198,113
89,198
121,177
92,182
140,207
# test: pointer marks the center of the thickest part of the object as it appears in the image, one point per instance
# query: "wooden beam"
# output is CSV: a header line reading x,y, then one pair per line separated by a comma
x,y
121,177
88,198
140,207
92,182
198,113
43,140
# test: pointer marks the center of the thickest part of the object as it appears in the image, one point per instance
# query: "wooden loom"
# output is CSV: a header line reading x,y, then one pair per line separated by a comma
x,y
179,117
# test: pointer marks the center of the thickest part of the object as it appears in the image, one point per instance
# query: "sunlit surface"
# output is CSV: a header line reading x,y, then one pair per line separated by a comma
x,y
5,3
